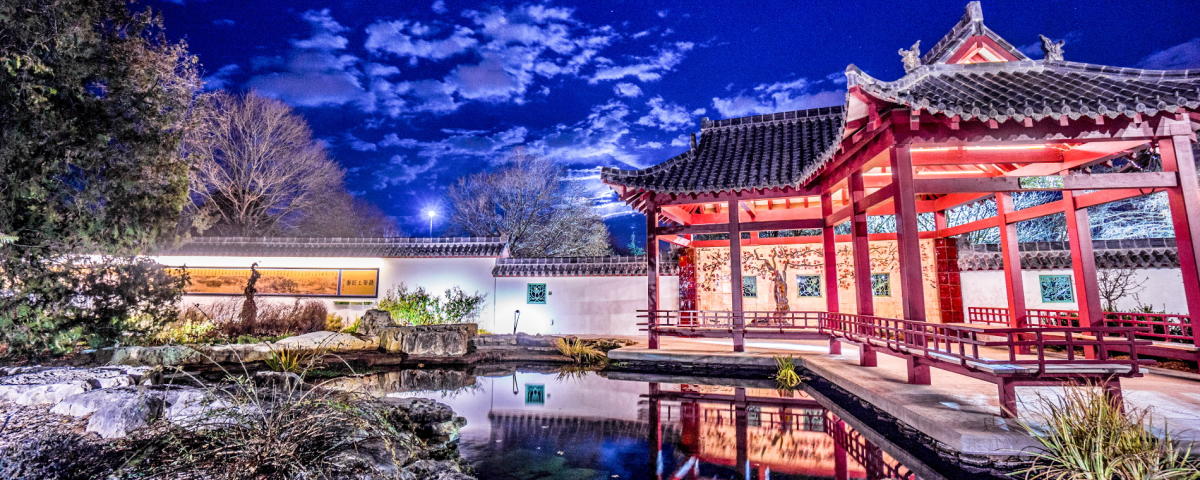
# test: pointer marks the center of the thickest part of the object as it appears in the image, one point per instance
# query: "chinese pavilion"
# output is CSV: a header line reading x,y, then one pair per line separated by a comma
x,y
972,119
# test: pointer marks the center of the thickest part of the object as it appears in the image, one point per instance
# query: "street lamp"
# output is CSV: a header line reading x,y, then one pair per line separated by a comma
x,y
431,214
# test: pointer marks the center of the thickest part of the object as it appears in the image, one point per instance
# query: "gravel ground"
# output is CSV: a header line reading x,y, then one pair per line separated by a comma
x,y
21,423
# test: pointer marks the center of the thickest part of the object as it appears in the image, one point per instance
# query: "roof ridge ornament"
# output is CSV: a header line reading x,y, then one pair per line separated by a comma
x,y
911,57
1052,51
975,11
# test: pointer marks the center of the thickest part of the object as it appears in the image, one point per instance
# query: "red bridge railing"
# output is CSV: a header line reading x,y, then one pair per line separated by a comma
x,y
1161,327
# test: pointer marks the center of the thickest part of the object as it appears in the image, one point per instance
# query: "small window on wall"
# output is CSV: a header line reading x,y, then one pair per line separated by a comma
x,y
750,287
808,285
881,284
535,293
1056,288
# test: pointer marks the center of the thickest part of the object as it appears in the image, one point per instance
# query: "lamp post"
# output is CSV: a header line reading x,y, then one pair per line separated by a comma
x,y
431,214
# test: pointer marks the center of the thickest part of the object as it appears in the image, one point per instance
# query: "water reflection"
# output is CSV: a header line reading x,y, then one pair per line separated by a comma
x,y
532,425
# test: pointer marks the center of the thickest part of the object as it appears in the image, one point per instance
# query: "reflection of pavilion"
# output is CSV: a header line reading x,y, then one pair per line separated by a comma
x,y
759,431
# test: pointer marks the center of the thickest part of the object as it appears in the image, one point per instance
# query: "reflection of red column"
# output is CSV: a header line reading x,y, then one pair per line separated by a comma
x,y
690,420
742,424
837,430
655,421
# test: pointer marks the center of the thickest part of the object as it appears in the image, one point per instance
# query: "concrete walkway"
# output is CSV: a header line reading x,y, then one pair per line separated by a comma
x,y
960,412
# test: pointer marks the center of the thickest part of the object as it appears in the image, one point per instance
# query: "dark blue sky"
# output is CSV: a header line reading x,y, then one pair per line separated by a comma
x,y
411,95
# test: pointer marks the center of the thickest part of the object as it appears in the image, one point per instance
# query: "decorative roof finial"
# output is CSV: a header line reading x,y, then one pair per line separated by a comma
x,y
1053,51
911,57
975,11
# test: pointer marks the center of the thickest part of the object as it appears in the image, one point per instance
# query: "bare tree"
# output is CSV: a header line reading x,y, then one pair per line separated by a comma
x,y
527,201
256,169
1116,284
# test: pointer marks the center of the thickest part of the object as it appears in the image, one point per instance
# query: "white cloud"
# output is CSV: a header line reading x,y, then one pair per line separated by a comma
x,y
425,155
415,40
628,90
316,71
221,78
1179,57
766,98
646,69
439,7
664,115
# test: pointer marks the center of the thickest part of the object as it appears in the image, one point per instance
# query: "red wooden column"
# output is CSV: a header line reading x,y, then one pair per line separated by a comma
x,y
912,288
1083,265
1010,256
862,260
735,276
1177,156
829,250
652,273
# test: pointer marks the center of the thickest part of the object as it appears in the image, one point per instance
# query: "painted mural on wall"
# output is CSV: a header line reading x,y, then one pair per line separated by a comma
x,y
786,268
322,282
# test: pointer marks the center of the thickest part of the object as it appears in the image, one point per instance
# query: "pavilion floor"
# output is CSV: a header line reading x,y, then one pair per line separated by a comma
x,y
955,410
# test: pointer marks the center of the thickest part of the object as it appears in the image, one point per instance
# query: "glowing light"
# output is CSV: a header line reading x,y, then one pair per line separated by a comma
x,y
981,148
430,213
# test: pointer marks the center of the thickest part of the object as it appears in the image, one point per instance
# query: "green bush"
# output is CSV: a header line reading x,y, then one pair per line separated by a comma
x,y
419,307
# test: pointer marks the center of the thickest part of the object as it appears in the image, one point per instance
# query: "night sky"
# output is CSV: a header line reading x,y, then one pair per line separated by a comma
x,y
411,95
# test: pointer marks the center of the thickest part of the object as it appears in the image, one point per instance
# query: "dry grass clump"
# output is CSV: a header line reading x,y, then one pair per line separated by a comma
x,y
579,351
1087,436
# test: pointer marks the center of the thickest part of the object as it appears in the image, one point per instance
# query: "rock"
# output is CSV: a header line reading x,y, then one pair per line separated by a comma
x,y
434,470
374,321
166,355
451,340
51,385
431,420
114,411
236,353
187,406
330,341
283,380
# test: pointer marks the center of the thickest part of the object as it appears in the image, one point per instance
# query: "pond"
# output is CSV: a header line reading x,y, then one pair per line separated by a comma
x,y
526,423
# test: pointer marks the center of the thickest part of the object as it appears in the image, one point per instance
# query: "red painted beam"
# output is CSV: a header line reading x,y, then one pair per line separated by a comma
x,y
1095,181
797,224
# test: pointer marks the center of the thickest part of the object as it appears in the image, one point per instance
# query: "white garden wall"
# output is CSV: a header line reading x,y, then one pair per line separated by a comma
x,y
1162,290
579,305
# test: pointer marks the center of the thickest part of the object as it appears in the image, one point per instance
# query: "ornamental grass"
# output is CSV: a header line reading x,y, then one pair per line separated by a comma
x,y
1087,436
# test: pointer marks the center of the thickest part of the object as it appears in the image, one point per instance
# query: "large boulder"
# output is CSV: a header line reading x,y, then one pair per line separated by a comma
x,y
114,412
329,341
451,340
166,355
374,321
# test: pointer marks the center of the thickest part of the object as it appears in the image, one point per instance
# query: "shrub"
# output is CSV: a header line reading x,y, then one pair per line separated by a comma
x,y
419,307
1088,436
335,322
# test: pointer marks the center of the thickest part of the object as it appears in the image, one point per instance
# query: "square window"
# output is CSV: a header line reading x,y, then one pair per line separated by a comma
x,y
881,284
750,287
808,285
1056,288
535,293
535,394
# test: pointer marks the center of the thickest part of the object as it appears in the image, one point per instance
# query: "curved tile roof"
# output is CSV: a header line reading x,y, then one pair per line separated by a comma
x,y
397,247
1127,253
576,267
1036,89
762,151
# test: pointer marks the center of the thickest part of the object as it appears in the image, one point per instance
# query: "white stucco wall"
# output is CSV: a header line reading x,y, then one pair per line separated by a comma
x,y
1162,290
434,274
579,305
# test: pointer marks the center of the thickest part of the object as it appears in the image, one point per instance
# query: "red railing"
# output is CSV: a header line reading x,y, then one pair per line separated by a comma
x,y
701,319
987,315
1163,327
1037,346
962,344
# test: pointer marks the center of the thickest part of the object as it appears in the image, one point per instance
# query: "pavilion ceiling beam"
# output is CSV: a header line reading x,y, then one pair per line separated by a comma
x,y
677,214
1095,181
744,226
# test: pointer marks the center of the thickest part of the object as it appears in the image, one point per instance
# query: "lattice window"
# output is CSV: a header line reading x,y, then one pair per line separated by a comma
x,y
808,285
535,293
750,287
1056,288
881,284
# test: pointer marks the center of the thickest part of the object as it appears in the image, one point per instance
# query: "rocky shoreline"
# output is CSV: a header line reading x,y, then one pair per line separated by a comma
x,y
105,416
